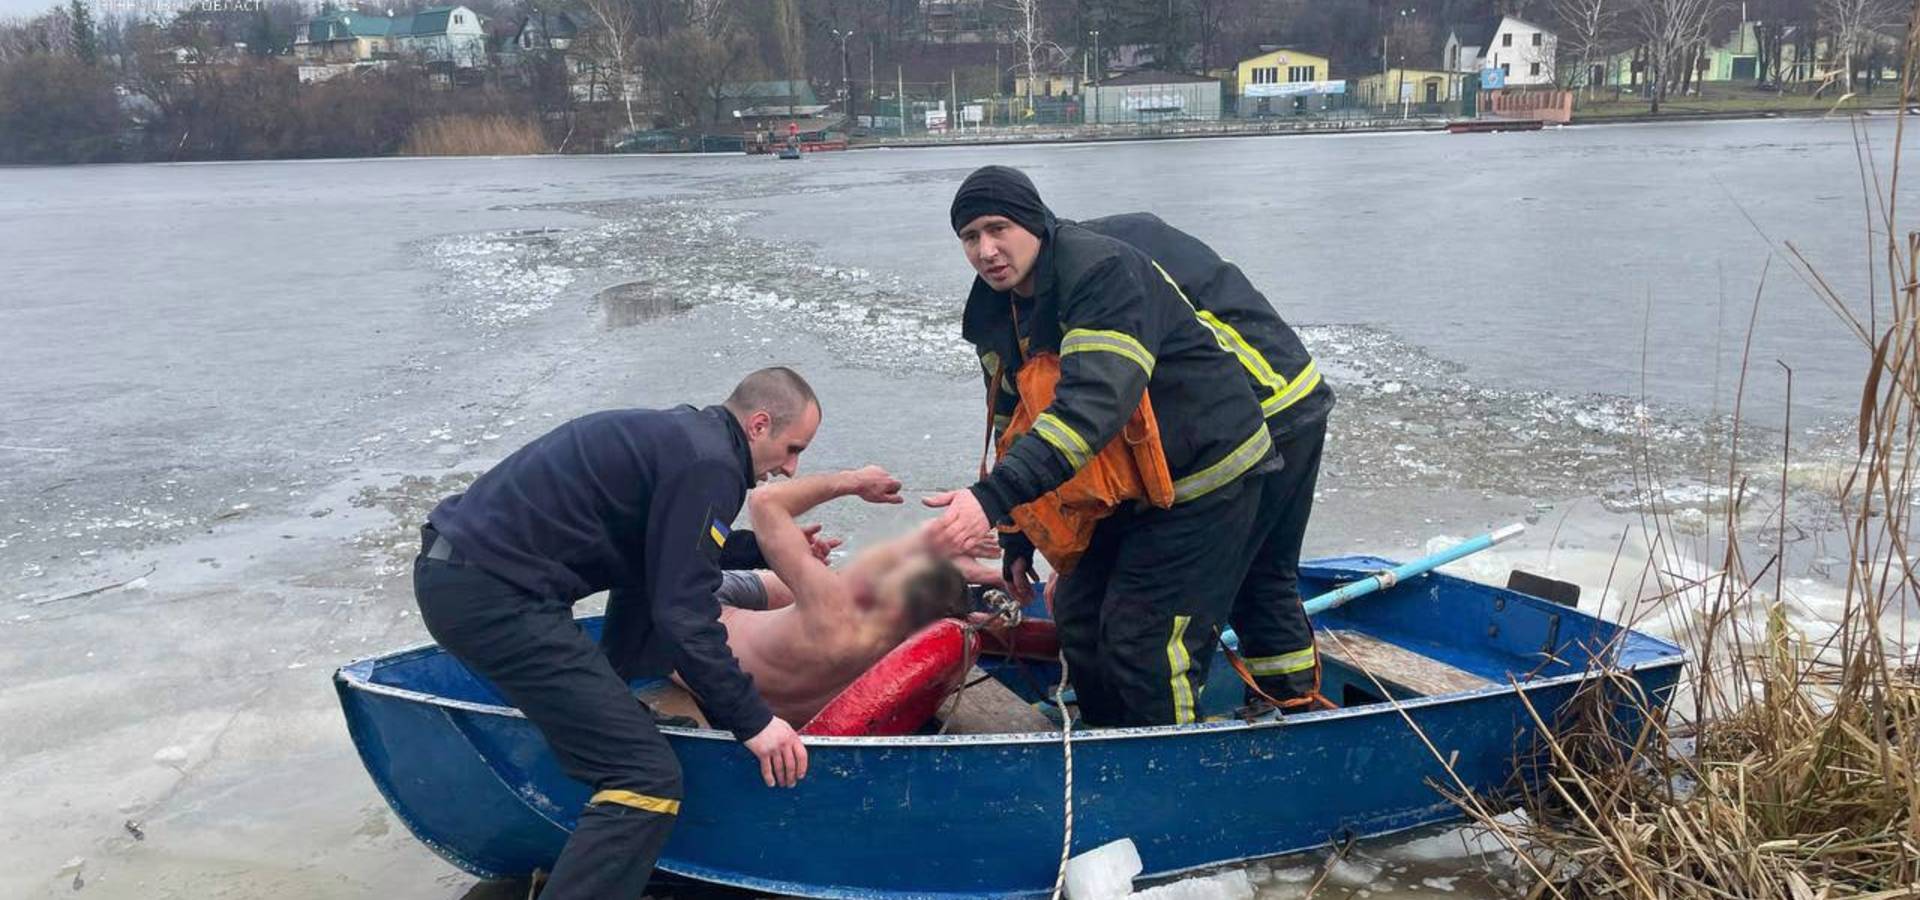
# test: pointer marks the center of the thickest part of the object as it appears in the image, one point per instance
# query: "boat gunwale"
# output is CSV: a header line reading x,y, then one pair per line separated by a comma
x,y
357,676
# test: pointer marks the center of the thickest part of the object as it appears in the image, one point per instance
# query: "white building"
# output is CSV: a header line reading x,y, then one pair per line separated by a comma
x,y
1508,53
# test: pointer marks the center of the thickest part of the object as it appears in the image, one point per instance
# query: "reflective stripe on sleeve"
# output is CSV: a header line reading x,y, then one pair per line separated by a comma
x,y
1070,444
1303,384
1084,340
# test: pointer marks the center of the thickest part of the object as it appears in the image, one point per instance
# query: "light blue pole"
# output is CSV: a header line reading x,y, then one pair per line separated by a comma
x,y
1381,581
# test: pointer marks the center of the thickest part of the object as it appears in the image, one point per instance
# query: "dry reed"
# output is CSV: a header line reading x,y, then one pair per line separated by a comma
x,y
474,136
1789,771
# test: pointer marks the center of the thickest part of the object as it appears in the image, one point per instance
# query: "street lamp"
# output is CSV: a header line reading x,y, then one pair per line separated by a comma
x,y
846,93
1095,34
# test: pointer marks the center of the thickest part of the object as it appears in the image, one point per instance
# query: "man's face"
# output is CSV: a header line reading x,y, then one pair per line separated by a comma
x,y
777,451
1001,252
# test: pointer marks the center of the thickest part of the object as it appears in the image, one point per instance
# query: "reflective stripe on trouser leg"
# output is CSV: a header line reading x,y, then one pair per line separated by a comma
x,y
646,802
1179,661
1276,640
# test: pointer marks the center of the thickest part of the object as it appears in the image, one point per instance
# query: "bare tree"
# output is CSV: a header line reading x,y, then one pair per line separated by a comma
x,y
1673,32
1028,35
1588,30
613,41
1852,28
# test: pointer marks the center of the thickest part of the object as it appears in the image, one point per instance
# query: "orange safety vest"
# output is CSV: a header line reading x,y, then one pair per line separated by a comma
x,y
1131,467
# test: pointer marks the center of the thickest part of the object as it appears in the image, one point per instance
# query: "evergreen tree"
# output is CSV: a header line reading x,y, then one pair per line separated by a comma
x,y
86,45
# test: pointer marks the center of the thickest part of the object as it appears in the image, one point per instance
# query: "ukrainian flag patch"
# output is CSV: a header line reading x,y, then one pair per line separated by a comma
x,y
719,532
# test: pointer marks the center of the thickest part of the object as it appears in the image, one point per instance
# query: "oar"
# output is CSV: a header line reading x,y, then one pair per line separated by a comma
x,y
1380,581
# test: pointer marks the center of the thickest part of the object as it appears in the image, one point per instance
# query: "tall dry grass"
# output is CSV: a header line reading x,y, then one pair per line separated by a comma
x,y
1788,772
474,136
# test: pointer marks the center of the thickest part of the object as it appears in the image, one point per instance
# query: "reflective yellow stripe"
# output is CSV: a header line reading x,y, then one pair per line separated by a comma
x,y
1285,393
1055,432
1303,384
1230,340
1284,664
1082,340
638,801
1177,663
1220,474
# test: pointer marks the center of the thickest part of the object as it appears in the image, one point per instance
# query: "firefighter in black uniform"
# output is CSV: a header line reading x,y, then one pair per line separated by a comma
x,y
1276,639
1137,616
637,503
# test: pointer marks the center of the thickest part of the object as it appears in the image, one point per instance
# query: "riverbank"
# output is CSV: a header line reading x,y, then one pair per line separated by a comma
x,y
1609,114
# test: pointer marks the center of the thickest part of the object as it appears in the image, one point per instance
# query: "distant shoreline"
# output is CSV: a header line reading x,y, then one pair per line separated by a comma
x,y
1187,131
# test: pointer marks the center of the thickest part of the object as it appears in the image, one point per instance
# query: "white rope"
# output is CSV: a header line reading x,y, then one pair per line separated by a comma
x,y
1066,749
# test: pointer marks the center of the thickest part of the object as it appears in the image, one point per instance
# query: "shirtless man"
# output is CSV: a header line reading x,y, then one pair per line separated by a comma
x,y
805,631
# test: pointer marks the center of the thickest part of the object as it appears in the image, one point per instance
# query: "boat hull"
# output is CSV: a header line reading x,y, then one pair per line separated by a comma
x,y
982,815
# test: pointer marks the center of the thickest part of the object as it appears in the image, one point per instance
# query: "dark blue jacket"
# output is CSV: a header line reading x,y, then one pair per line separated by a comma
x,y
636,502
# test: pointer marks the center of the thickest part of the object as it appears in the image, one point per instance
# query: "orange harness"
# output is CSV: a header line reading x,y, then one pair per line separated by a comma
x,y
1131,467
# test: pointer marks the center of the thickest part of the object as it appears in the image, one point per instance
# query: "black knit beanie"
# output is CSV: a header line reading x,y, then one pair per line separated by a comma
x,y
1000,191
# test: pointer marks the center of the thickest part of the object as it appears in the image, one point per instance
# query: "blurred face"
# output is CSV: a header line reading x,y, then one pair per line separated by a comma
x,y
890,595
777,451
1001,253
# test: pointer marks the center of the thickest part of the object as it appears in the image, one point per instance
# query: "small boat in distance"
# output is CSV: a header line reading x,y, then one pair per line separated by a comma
x,y
980,815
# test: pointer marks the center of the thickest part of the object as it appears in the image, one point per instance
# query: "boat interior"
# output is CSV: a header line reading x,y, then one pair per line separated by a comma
x,y
1430,636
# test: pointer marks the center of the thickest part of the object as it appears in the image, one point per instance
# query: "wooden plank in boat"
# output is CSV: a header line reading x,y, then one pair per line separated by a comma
x,y
673,700
1396,665
990,707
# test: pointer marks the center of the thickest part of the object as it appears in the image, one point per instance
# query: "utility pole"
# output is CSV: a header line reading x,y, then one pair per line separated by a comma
x,y
870,81
953,85
1097,61
846,90
900,85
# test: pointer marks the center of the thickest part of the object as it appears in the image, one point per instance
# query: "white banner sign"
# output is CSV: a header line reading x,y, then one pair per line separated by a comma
x,y
1150,99
1294,88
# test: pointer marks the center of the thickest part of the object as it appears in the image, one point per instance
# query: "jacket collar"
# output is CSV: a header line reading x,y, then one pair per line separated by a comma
x,y
736,436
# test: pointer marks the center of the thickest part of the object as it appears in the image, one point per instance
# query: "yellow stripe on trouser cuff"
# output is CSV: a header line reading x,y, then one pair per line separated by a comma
x,y
1284,664
1220,474
1083,340
1303,384
1177,662
1066,440
638,801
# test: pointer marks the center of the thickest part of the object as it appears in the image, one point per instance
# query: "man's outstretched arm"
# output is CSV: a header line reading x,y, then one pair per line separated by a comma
x,y
785,544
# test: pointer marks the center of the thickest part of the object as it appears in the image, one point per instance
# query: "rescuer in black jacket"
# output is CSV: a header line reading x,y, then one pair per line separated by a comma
x,y
638,503
1276,640
1137,617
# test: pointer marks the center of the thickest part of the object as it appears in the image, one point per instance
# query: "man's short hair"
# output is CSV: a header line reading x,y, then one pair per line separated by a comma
x,y
937,591
778,390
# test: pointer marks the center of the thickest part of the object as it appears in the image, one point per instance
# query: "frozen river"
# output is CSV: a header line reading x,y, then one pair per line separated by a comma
x,y
242,384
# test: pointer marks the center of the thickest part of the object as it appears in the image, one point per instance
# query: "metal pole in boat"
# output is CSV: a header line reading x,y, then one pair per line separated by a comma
x,y
1380,581
1383,580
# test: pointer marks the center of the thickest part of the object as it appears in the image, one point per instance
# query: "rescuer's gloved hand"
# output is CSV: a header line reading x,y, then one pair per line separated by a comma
x,y
1016,564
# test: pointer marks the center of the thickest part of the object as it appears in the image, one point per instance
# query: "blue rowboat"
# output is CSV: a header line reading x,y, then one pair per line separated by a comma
x,y
981,815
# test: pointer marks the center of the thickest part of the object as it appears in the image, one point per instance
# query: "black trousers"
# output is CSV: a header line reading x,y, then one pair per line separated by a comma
x,y
1138,616
530,649
1276,640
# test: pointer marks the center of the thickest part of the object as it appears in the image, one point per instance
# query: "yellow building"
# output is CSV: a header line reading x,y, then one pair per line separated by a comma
x,y
1057,84
1395,86
1267,74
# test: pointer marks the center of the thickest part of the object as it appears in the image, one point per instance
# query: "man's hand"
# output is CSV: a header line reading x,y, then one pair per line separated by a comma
x,y
822,547
961,527
874,485
783,759
1016,567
